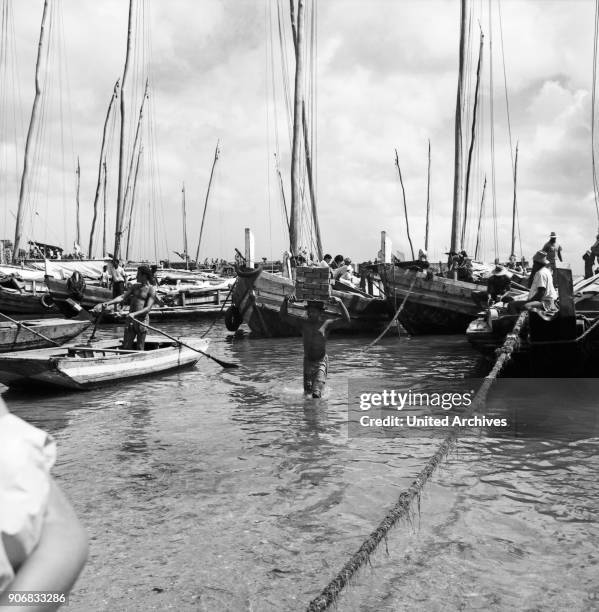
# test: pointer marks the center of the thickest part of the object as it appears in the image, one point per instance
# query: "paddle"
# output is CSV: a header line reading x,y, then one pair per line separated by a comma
x,y
224,364
20,324
98,318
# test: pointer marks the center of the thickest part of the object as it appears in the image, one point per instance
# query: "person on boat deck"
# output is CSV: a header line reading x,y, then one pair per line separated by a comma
x,y
141,297
553,250
117,273
315,331
326,261
542,294
514,265
337,262
589,258
105,277
344,272
498,284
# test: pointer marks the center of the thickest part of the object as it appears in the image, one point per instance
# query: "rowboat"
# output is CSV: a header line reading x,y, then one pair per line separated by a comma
x,y
28,334
101,363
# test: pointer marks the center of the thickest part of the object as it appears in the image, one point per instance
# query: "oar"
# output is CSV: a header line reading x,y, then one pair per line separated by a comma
x,y
224,364
97,322
20,324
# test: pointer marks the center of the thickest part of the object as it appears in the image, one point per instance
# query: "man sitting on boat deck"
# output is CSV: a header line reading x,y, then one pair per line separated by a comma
x,y
326,261
140,297
315,331
542,294
498,285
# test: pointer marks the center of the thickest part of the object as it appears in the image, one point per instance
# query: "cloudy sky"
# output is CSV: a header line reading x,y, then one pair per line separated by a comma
x,y
386,76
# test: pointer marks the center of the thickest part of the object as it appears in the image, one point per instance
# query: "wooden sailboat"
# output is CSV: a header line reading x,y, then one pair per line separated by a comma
x,y
258,295
436,304
81,367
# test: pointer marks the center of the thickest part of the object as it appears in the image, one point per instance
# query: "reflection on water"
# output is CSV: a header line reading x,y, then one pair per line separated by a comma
x,y
213,489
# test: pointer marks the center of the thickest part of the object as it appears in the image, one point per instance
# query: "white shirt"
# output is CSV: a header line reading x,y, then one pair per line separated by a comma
x,y
26,456
543,278
323,264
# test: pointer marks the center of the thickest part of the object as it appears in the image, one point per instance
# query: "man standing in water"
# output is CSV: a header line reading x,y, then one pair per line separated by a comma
x,y
315,331
140,297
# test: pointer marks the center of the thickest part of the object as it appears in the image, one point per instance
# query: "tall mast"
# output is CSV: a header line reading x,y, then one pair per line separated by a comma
x,y
311,184
130,224
472,139
480,217
32,123
514,206
428,198
120,203
457,171
405,204
294,223
216,154
184,225
104,215
78,173
99,182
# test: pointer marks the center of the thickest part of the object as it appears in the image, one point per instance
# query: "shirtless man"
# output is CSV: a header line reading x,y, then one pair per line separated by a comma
x,y
141,297
315,331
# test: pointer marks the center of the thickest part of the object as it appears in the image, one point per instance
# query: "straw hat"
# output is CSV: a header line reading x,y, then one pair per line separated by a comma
x,y
553,235
540,257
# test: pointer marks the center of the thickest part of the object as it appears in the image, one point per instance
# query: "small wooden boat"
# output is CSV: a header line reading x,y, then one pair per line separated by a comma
x,y
101,363
75,288
23,335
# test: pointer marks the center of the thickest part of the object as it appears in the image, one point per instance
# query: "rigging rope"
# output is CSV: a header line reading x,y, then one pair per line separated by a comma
x,y
402,509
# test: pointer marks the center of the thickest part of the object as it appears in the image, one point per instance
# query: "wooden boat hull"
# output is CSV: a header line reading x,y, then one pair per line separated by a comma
x,y
258,297
19,338
91,296
196,311
14,302
73,367
435,304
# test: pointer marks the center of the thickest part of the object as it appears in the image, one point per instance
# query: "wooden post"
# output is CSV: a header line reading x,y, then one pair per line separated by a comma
x,y
567,309
249,248
385,252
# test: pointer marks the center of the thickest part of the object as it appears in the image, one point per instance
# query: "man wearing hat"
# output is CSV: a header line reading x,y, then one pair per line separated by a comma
x,y
589,258
141,297
542,294
553,250
498,284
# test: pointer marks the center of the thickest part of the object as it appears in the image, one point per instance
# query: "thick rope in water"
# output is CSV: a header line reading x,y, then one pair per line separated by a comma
x,y
403,303
406,498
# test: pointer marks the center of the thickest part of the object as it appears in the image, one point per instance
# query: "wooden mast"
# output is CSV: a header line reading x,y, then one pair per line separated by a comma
x,y
99,182
428,198
78,173
294,223
457,172
216,154
120,202
514,205
480,216
405,204
32,123
104,215
184,225
311,184
472,139
133,200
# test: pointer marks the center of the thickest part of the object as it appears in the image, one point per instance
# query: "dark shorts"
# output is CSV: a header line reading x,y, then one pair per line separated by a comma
x,y
118,288
315,375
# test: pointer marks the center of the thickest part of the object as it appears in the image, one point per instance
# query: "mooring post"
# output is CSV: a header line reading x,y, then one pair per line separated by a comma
x,y
385,252
567,308
249,248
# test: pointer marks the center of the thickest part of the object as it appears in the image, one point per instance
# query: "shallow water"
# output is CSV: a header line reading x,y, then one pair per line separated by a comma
x,y
213,489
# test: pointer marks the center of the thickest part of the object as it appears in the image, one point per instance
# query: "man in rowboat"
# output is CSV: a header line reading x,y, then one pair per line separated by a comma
x,y
140,297
315,331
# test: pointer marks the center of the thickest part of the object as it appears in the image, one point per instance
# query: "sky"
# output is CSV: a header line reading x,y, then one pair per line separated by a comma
x,y
385,78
